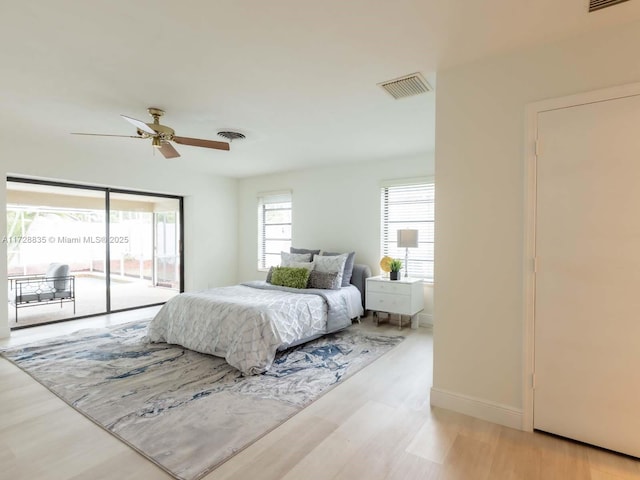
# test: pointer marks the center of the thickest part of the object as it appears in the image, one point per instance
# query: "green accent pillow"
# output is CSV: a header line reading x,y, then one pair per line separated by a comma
x,y
290,277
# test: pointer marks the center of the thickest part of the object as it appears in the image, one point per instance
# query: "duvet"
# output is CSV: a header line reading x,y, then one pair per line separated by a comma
x,y
246,324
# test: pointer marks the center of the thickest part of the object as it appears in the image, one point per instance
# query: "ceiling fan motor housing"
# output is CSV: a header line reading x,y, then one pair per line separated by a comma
x,y
163,132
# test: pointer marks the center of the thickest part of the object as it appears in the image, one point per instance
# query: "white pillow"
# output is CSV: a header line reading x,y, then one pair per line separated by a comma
x,y
308,265
334,264
286,258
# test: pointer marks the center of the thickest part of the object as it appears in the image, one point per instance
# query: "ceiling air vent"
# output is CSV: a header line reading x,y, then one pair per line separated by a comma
x,y
600,4
406,86
231,136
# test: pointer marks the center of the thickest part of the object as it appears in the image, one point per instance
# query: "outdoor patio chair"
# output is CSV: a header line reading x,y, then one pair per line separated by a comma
x,y
55,285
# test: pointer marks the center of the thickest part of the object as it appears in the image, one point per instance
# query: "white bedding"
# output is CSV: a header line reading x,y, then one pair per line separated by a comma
x,y
246,325
354,297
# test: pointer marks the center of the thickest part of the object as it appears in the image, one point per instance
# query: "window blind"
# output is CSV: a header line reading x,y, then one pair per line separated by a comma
x,y
274,227
410,205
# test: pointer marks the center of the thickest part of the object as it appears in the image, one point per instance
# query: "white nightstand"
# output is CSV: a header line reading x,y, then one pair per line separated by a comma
x,y
403,297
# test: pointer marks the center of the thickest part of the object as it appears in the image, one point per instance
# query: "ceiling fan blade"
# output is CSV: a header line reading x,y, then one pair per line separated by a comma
x,y
168,151
198,142
140,125
105,135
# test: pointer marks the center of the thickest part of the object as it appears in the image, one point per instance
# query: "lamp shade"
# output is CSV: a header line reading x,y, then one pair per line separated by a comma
x,y
407,238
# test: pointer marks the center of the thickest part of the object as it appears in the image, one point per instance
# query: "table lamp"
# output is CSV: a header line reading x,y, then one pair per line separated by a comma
x,y
407,239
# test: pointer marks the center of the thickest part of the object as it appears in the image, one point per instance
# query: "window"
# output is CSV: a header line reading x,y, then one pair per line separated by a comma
x,y
409,204
274,227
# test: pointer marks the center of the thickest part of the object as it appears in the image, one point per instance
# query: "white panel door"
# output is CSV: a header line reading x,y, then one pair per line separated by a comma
x,y
587,307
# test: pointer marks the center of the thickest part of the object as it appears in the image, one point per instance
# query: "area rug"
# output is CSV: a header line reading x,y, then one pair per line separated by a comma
x,y
188,412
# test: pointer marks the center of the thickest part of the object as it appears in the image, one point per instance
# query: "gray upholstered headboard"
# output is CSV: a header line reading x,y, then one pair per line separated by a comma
x,y
359,279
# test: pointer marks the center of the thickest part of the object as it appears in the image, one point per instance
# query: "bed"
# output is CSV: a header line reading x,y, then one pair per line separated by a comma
x,y
248,323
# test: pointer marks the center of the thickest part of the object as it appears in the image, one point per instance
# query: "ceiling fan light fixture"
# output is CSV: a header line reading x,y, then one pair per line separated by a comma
x,y
156,142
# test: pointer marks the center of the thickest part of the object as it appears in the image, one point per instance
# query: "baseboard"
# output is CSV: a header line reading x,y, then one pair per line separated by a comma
x,y
478,408
425,320
4,329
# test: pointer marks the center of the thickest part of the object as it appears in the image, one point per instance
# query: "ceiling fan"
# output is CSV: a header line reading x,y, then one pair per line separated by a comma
x,y
161,135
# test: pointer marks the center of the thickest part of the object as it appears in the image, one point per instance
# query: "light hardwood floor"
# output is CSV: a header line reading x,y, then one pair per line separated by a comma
x,y
376,425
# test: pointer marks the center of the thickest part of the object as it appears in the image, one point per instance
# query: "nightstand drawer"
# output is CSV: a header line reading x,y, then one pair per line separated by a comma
x,y
384,302
389,287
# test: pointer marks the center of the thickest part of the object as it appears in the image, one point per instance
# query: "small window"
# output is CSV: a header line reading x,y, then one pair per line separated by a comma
x,y
409,205
274,227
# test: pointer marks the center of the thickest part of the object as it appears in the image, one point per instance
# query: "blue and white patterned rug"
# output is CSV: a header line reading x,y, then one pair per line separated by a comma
x,y
188,412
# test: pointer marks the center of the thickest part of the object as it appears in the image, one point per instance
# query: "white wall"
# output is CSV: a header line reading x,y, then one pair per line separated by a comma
x,y
480,209
210,204
335,208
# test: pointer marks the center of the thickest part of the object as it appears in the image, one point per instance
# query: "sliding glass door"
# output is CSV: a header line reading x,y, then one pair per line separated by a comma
x,y
167,246
119,249
144,249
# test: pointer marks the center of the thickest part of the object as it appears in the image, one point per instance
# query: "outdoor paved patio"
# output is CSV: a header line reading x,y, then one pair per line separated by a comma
x,y
90,299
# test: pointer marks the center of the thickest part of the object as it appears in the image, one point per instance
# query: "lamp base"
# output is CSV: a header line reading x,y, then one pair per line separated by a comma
x,y
406,262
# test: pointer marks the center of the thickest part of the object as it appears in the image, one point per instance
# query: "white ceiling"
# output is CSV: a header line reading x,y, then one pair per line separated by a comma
x,y
298,78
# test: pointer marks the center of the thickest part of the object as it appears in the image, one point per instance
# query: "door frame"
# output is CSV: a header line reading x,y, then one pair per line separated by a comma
x,y
107,208
531,148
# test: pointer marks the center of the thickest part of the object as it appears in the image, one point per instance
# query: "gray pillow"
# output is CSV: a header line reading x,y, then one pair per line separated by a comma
x,y
348,266
287,258
331,264
305,250
269,275
308,265
325,280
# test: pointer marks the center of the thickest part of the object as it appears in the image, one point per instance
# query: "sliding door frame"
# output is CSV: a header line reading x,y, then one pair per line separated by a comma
x,y
107,200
